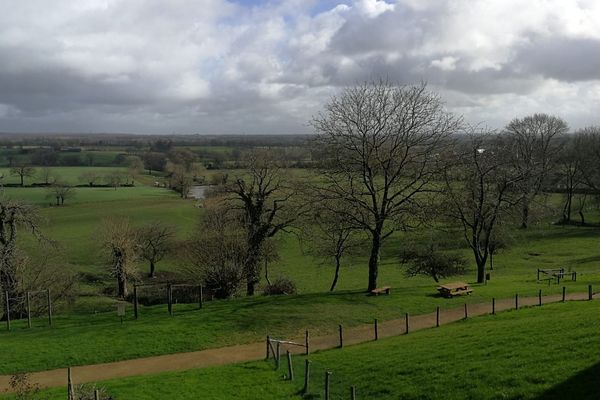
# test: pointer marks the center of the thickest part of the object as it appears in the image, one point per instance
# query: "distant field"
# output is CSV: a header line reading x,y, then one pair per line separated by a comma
x,y
69,175
537,353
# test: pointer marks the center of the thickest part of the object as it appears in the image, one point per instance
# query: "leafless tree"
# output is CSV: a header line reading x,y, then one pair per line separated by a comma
x,y
429,261
479,192
22,171
115,179
119,238
180,178
329,235
381,144
60,191
571,170
14,215
155,242
534,148
216,252
46,175
90,177
263,194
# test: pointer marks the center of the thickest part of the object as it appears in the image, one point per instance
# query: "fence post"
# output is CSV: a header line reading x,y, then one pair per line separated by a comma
x,y
466,311
70,388
135,302
306,376
437,317
590,293
352,392
268,344
278,355
407,322
170,298
49,308
341,336
376,329
7,301
327,376
516,301
28,310
538,274
306,342
200,295
564,293
540,297
290,366
493,306
96,395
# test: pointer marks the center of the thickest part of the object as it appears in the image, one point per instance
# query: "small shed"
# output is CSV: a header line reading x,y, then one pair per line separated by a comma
x,y
454,289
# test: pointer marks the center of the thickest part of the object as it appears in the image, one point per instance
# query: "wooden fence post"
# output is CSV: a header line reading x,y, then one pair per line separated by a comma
x,y
590,293
341,336
407,323
278,355
49,307
540,297
564,293
466,311
96,395
352,392
306,376
327,376
538,274
493,306
290,366
170,298
306,342
70,388
7,301
376,329
135,302
200,295
268,344
28,310
437,317
516,301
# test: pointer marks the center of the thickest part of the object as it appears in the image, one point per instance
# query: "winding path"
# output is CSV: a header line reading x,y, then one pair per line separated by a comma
x,y
256,351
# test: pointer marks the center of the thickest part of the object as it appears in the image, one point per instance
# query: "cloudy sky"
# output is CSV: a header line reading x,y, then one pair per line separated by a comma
x,y
252,66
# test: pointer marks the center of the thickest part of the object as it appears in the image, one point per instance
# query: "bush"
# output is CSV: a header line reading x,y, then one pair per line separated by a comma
x,y
280,286
430,262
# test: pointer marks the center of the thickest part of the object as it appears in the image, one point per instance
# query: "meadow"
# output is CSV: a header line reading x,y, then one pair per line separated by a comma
x,y
541,353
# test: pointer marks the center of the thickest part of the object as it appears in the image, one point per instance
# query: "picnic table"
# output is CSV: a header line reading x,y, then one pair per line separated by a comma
x,y
454,289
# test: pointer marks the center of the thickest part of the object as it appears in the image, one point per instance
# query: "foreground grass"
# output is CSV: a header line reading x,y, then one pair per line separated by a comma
x,y
543,353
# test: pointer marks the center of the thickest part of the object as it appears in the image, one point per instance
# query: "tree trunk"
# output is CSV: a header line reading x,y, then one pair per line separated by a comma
x,y
152,273
57,200
491,260
374,259
480,271
336,275
267,272
122,287
525,215
582,217
22,181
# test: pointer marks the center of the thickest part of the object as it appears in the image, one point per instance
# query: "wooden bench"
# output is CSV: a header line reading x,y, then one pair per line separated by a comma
x,y
382,290
454,289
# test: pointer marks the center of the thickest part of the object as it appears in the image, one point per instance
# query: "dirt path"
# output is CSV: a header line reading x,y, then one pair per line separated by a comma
x,y
256,351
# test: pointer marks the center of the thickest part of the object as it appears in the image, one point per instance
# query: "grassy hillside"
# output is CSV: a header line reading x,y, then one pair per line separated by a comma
x,y
536,353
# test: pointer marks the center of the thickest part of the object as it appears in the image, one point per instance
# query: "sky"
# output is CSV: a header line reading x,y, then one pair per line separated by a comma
x,y
266,67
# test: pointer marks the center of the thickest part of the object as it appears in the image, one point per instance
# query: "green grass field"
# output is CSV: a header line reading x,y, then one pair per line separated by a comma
x,y
534,353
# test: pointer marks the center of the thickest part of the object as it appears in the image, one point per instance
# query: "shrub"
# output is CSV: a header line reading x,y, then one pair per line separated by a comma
x,y
280,286
430,262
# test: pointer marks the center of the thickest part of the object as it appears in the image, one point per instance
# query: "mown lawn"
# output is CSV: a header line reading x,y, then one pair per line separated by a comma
x,y
551,352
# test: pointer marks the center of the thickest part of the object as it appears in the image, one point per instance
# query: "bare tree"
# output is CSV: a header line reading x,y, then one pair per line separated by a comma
x,y
329,235
381,143
534,148
479,192
571,171
90,177
155,242
46,175
61,191
180,178
118,237
429,261
13,215
22,171
115,179
216,252
263,195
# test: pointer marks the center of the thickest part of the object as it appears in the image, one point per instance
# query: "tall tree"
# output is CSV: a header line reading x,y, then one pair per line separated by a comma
x,y
479,192
13,215
263,194
534,148
119,239
380,142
